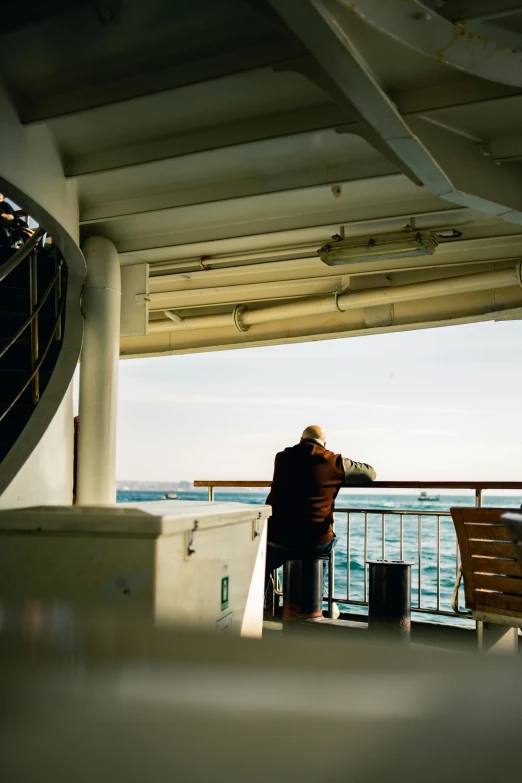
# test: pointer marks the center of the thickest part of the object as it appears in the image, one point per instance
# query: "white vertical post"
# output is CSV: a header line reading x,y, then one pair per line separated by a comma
x,y
101,303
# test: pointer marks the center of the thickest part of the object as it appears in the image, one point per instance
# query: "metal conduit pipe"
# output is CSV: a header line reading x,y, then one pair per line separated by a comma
x,y
243,319
453,285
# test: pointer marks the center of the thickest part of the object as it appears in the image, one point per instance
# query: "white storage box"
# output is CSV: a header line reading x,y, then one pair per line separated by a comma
x,y
171,561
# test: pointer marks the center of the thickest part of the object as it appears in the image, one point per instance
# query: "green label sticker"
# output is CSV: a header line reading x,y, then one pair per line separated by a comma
x,y
224,593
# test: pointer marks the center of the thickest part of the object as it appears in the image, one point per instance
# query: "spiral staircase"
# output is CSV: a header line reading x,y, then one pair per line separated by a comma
x,y
33,289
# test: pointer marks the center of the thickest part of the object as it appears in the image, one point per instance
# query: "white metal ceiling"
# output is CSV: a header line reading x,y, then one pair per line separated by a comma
x,y
200,130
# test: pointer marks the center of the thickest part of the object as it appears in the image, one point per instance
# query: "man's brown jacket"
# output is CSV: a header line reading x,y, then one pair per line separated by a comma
x,y
307,478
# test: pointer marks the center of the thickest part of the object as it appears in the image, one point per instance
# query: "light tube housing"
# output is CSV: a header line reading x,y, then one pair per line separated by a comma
x,y
379,247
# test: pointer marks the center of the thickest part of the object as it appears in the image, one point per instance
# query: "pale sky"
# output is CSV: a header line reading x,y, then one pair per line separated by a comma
x,y
440,404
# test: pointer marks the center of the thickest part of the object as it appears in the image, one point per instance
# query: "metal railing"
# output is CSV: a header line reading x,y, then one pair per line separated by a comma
x,y
29,250
427,533
16,259
379,533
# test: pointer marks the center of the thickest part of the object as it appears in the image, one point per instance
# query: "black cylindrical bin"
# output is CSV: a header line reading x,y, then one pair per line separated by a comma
x,y
389,602
302,590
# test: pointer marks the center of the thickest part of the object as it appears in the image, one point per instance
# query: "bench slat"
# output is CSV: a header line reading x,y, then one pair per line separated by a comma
x,y
491,548
481,516
502,584
508,603
495,565
486,532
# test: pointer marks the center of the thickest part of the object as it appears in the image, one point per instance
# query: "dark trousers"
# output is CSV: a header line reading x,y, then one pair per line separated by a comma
x,y
276,556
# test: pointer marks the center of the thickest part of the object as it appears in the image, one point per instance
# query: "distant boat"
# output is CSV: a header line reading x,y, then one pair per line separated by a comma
x,y
171,495
425,498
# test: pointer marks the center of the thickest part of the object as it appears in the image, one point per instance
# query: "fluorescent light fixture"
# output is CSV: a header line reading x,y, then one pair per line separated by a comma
x,y
379,247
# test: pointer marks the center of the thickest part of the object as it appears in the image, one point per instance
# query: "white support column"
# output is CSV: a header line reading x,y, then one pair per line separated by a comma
x,y
101,303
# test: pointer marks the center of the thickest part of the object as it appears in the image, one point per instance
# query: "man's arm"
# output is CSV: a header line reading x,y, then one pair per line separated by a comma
x,y
357,472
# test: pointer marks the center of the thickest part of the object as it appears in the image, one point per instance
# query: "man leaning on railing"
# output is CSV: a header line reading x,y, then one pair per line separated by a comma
x,y
307,479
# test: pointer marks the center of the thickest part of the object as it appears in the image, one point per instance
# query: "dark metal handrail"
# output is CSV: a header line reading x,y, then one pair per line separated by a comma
x,y
35,312
477,486
38,365
384,484
23,252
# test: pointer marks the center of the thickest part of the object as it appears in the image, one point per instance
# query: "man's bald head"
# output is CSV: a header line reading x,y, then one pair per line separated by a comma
x,y
315,432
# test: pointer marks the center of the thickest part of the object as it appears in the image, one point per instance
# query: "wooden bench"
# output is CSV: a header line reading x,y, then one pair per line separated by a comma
x,y
492,576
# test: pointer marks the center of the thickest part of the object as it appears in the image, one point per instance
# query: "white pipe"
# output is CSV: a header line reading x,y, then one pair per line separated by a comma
x,y
218,262
352,300
446,287
101,302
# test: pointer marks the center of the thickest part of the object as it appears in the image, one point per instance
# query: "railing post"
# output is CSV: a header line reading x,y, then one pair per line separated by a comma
x,y
210,494
33,303
478,498
331,582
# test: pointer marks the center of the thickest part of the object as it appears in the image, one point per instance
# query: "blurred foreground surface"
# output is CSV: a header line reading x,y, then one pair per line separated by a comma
x,y
96,700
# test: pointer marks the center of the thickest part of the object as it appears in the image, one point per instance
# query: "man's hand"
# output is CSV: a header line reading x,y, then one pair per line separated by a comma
x,y
6,216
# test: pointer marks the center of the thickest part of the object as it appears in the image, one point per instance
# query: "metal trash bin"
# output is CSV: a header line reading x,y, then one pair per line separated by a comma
x,y
389,602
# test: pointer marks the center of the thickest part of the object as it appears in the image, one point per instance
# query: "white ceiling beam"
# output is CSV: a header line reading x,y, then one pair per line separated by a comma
x,y
178,244
320,117
478,10
242,188
417,26
475,179
132,87
465,93
312,118
505,149
230,225
324,26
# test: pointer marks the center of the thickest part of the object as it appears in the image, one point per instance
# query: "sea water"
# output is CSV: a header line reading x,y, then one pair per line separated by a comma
x,y
417,526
